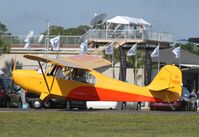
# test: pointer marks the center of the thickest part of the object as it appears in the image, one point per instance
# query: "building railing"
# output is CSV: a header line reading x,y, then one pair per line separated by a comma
x,y
130,34
75,41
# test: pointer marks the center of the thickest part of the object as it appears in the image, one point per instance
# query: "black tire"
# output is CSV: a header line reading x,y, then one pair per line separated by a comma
x,y
84,106
7,103
186,108
152,109
47,103
123,107
37,103
67,105
195,107
138,106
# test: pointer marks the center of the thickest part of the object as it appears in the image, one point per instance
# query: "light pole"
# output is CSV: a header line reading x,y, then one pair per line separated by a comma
x,y
47,38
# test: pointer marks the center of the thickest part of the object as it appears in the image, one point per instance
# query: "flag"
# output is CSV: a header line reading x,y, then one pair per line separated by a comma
x,y
83,47
109,49
133,50
55,43
27,45
176,51
155,53
40,38
28,38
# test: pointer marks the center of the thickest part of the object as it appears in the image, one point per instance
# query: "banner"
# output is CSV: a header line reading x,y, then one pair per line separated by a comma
x,y
155,53
83,47
55,43
133,50
176,51
28,38
40,38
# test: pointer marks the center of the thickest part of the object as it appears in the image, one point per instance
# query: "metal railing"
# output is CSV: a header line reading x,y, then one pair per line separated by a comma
x,y
18,41
130,34
75,41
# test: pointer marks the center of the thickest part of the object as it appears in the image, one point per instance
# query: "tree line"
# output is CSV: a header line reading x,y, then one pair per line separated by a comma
x,y
80,30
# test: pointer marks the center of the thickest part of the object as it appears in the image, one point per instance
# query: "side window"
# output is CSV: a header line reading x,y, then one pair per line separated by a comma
x,y
90,78
82,76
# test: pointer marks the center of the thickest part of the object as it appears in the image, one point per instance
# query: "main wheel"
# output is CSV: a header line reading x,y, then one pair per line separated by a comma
x,y
37,103
47,103
67,103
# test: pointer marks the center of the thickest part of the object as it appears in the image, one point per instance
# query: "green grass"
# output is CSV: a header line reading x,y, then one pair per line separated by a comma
x,y
75,124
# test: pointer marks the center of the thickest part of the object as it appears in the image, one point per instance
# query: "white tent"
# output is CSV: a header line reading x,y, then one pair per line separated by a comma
x,y
125,20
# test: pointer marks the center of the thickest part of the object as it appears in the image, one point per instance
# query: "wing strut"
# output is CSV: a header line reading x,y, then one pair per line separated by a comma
x,y
44,76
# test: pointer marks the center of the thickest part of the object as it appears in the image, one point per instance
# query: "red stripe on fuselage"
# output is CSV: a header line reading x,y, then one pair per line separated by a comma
x,y
100,94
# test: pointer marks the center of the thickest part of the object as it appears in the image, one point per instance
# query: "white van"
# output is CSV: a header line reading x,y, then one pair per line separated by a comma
x,y
113,105
103,105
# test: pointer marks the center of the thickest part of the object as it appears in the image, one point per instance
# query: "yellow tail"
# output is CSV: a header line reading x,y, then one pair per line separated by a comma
x,y
169,78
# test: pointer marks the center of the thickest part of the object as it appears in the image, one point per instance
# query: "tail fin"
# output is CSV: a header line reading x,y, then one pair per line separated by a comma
x,y
169,78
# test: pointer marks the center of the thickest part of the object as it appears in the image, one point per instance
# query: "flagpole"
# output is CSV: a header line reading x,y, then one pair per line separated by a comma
x,y
48,33
158,63
113,70
159,57
179,57
135,80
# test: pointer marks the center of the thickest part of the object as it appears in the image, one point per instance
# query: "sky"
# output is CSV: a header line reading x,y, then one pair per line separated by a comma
x,y
178,17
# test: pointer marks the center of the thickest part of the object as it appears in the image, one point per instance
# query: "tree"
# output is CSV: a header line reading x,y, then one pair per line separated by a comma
x,y
3,29
56,30
191,47
59,30
4,47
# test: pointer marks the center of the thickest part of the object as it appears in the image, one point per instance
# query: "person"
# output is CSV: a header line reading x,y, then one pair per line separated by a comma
x,y
193,98
59,72
193,94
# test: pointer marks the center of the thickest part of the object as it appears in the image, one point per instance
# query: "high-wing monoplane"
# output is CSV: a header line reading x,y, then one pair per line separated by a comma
x,y
79,81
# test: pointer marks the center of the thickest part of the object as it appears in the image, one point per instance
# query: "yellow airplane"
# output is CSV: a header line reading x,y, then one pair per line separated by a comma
x,y
73,81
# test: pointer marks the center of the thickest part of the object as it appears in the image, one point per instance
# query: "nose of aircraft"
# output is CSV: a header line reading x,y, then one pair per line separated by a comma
x,y
21,78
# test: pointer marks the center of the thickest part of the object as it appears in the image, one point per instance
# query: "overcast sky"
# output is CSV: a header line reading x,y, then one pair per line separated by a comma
x,y
179,17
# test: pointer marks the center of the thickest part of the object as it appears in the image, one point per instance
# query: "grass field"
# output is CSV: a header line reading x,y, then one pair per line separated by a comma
x,y
76,124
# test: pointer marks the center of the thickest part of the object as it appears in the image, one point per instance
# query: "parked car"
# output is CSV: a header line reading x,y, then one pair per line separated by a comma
x,y
103,105
9,97
187,102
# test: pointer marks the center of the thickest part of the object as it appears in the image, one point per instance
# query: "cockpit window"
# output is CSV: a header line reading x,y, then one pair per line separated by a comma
x,y
83,76
76,74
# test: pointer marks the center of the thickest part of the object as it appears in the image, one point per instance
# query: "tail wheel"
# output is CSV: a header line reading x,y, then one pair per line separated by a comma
x,y
37,103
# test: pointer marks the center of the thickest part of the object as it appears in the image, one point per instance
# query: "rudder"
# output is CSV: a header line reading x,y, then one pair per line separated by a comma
x,y
169,78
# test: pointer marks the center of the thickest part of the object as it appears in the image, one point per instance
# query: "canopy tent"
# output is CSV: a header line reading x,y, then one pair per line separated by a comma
x,y
125,20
